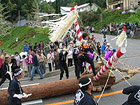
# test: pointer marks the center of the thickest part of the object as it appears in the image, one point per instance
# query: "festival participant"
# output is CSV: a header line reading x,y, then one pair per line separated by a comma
x,y
4,55
15,90
104,39
13,64
109,54
50,58
134,95
70,56
30,61
83,95
0,66
46,49
103,49
17,57
26,47
63,66
98,50
30,46
5,69
83,56
36,47
41,60
24,65
35,66
75,58
56,57
41,45
108,47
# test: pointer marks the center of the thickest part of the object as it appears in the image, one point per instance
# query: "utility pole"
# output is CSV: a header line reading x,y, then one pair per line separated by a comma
x,y
19,17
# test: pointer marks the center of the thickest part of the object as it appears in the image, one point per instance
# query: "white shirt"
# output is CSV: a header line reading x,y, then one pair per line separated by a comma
x,y
50,57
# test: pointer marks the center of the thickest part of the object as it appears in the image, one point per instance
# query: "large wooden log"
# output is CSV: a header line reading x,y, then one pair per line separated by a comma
x,y
57,88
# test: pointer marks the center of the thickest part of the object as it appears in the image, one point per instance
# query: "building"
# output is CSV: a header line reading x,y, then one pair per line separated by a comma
x,y
80,8
122,4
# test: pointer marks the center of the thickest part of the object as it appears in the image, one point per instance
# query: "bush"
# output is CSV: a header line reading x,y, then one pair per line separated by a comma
x,y
89,17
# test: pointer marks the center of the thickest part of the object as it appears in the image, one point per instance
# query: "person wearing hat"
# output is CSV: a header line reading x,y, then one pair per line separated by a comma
x,y
84,56
5,71
108,47
84,96
15,90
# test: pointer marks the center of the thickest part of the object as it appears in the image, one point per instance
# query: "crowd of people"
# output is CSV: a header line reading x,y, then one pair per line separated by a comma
x,y
116,29
58,55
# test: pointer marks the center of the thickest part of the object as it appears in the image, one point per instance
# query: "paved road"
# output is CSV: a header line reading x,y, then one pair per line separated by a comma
x,y
132,57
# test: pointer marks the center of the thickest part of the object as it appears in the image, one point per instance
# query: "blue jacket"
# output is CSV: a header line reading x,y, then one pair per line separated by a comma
x,y
25,48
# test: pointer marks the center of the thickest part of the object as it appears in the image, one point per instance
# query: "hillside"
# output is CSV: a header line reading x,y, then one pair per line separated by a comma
x,y
23,34
116,17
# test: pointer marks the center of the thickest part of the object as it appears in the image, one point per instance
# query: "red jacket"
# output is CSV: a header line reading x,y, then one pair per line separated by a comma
x,y
0,62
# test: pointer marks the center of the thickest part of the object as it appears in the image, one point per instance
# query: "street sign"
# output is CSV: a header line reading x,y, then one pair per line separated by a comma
x,y
0,43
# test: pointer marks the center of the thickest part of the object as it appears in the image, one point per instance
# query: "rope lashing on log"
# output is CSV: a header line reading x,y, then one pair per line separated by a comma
x,y
124,64
107,66
105,86
119,70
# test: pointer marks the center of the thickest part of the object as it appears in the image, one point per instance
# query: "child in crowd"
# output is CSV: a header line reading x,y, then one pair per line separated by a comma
x,y
24,65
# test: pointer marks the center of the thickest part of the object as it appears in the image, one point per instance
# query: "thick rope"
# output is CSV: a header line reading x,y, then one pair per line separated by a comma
x,y
104,86
123,77
120,74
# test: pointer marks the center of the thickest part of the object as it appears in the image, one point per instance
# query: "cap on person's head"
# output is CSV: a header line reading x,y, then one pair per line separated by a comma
x,y
84,82
84,35
17,72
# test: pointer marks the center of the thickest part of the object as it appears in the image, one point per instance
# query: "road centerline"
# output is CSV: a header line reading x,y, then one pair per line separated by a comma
x,y
96,96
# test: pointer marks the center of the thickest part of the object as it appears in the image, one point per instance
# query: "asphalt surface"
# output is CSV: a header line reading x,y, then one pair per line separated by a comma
x,y
132,57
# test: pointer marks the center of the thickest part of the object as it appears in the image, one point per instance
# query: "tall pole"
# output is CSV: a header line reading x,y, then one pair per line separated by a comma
x,y
19,16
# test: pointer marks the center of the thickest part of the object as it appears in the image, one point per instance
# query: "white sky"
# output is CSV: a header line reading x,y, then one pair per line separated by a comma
x,y
50,0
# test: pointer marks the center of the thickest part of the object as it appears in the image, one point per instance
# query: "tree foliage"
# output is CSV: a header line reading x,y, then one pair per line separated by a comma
x,y
26,8
4,25
89,17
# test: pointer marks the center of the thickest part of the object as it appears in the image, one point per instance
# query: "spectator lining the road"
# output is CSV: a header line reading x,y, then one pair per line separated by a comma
x,y
26,47
24,65
35,66
50,58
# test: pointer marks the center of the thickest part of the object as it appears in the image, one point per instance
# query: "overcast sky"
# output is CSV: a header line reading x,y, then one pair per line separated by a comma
x,y
50,0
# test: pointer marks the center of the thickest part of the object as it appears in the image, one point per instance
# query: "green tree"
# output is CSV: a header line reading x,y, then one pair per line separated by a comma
x,y
4,25
36,9
57,6
46,7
